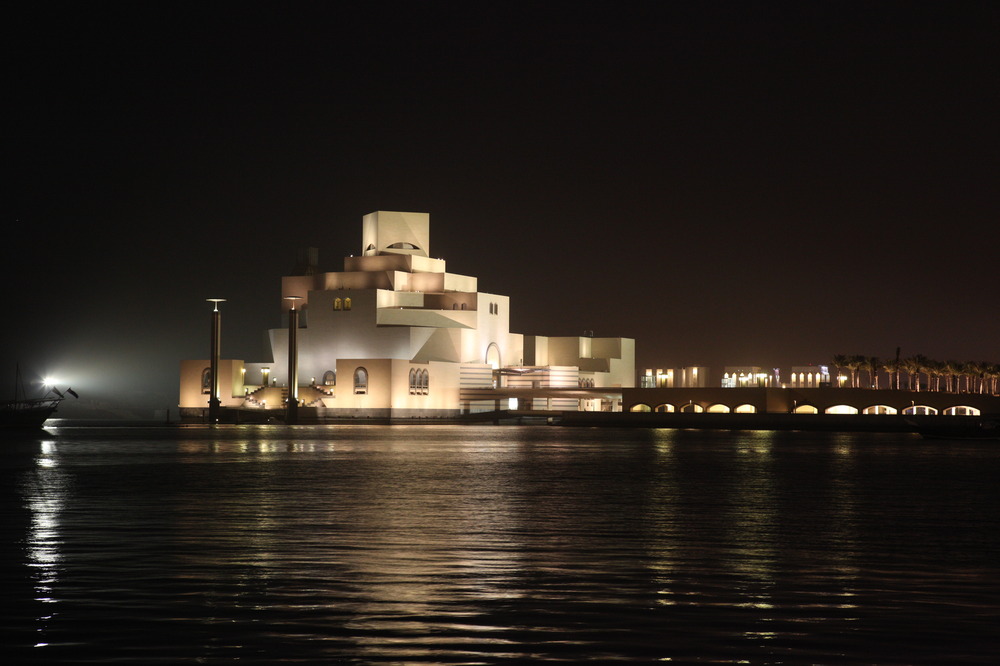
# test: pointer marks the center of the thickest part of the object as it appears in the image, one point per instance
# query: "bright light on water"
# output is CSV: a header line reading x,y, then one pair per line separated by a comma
x,y
399,544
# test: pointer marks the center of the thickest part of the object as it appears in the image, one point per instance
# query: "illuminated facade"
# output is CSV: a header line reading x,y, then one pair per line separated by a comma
x,y
808,400
745,376
395,335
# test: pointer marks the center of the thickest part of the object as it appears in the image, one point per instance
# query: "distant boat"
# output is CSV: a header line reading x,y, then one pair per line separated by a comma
x,y
950,427
24,412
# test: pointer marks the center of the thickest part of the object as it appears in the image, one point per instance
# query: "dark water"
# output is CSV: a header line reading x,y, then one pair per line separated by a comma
x,y
483,545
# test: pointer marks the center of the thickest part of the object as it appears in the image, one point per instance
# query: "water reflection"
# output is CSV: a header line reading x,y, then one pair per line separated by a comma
x,y
47,492
484,544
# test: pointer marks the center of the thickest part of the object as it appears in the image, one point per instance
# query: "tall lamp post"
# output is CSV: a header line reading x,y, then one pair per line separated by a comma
x,y
214,406
292,411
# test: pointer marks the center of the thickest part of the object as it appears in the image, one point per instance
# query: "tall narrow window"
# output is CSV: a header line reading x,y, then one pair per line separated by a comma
x,y
423,382
338,304
360,381
413,381
347,303
206,381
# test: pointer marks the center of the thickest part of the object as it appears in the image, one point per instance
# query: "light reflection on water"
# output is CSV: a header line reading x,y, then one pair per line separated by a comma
x,y
481,544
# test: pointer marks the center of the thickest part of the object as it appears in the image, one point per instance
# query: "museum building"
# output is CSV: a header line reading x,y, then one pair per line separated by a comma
x,y
395,336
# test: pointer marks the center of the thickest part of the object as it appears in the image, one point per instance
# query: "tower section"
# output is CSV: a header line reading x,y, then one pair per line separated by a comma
x,y
392,232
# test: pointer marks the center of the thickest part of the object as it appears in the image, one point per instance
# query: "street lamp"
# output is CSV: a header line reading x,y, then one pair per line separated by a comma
x,y
214,405
292,411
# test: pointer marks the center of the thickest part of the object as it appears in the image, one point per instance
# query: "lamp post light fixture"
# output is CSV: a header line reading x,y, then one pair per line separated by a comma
x,y
214,404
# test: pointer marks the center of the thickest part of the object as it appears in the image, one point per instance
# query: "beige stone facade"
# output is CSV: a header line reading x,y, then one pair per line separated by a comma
x,y
394,335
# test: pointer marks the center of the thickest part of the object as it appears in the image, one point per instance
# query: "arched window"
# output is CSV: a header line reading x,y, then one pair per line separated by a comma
x,y
347,303
806,409
493,356
664,408
360,381
718,408
641,407
745,409
962,410
413,381
206,381
330,378
463,306
879,409
423,382
338,304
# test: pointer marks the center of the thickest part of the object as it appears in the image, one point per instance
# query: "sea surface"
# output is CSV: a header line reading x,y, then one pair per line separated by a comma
x,y
489,545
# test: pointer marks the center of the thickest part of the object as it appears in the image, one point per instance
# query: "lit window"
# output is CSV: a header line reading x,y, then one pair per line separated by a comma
x,y
347,304
338,304
360,381
330,378
920,410
206,381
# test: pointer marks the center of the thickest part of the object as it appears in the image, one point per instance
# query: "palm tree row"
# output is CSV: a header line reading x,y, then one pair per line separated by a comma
x,y
957,376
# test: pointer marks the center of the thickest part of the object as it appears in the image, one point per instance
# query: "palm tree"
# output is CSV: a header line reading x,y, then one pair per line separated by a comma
x,y
953,369
994,377
934,371
912,367
994,371
940,370
893,367
839,362
922,364
873,365
854,364
983,368
970,370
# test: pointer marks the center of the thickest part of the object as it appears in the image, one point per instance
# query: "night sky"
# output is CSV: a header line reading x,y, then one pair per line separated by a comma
x,y
728,183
